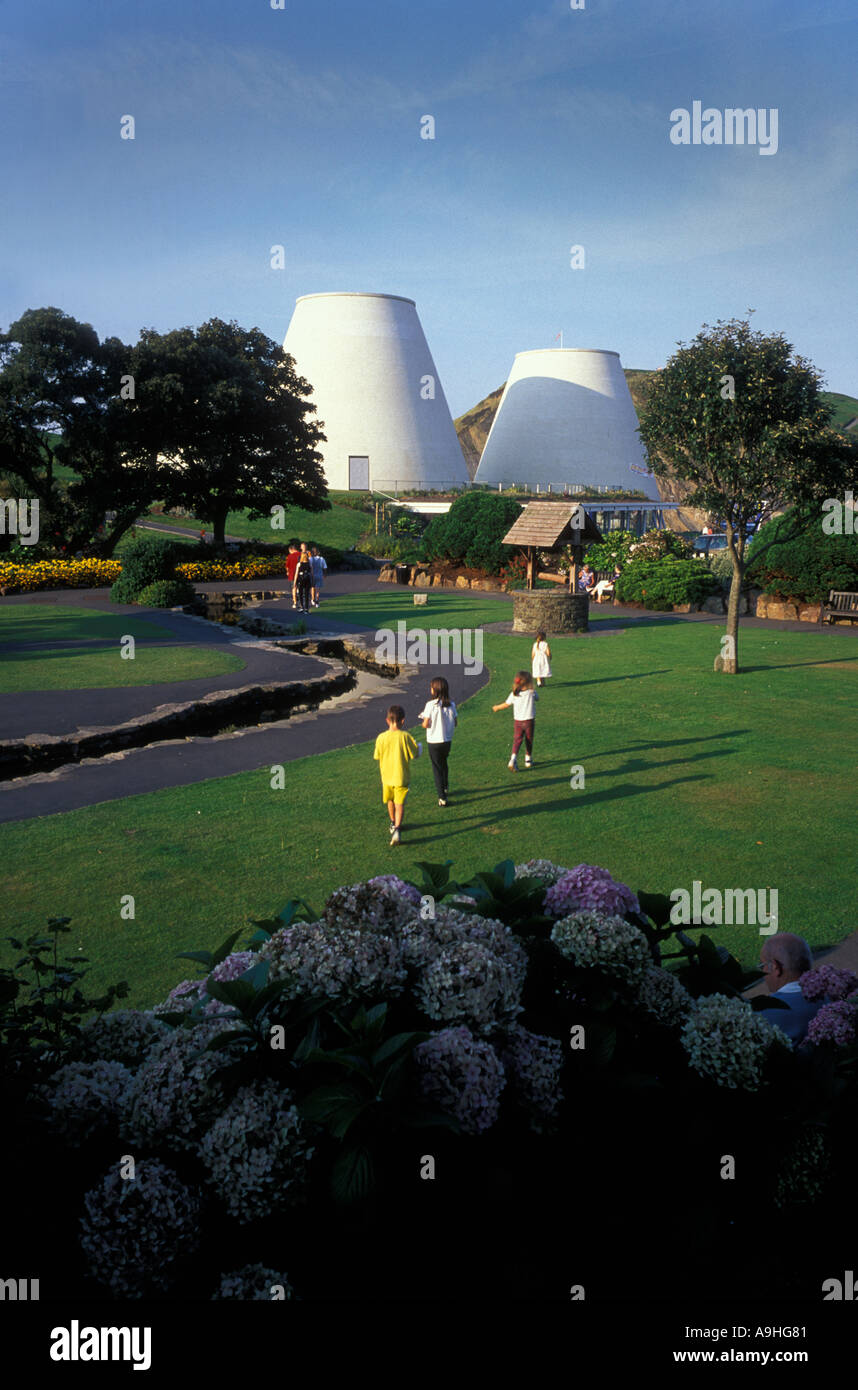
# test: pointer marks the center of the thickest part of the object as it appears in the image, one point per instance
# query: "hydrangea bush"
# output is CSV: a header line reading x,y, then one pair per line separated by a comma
x,y
587,888
729,1043
135,1230
257,1152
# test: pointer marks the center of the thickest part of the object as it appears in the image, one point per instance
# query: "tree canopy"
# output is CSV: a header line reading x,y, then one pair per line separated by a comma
x,y
742,419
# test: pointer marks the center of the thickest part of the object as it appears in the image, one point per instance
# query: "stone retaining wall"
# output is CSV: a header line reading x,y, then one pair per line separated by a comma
x,y
249,705
424,577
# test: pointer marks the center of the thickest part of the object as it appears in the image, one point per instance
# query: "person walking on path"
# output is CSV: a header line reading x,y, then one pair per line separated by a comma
x,y
394,750
522,697
304,579
540,658
291,565
319,564
439,717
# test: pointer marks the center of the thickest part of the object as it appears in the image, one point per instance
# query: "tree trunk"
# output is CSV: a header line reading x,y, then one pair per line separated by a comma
x,y
730,641
219,527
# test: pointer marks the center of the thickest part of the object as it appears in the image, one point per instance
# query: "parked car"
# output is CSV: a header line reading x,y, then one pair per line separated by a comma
x,y
709,545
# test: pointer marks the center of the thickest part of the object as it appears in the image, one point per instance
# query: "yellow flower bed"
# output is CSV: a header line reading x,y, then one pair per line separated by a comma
x,y
99,574
253,567
58,574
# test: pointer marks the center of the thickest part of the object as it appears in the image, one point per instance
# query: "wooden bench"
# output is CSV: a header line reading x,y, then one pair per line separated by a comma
x,y
841,604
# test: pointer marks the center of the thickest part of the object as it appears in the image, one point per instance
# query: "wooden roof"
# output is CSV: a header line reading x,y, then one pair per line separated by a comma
x,y
551,525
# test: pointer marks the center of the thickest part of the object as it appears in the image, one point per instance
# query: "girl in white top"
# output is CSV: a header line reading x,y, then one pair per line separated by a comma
x,y
523,699
439,718
540,658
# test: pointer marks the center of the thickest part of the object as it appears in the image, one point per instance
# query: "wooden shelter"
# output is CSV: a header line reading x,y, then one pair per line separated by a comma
x,y
552,526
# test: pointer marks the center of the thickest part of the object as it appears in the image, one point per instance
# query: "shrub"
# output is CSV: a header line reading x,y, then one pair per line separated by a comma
x,y
656,545
471,532
805,568
146,560
166,593
659,584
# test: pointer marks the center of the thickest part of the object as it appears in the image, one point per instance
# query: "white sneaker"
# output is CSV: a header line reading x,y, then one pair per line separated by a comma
x,y
528,762
512,765
394,837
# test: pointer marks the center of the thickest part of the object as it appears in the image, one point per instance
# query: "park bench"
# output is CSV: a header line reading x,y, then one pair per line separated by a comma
x,y
841,604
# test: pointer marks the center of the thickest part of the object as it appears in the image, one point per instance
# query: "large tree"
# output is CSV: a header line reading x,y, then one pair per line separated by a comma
x,y
739,417
61,406
231,422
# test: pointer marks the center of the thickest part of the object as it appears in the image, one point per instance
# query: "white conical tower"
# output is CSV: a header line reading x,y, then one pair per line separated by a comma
x,y
376,392
566,417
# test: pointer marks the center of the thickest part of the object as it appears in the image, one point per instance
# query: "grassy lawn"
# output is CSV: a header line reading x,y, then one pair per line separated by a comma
x,y
390,604
736,782
340,527
64,668
51,622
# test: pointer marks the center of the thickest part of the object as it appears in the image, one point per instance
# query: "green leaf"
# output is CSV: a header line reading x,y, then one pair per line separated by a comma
x,y
225,947
238,993
400,1042
202,957
352,1175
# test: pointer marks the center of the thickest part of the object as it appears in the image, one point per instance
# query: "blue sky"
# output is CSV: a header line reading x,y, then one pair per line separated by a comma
x,y
301,127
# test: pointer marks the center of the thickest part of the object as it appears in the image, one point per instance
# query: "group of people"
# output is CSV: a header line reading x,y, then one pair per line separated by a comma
x,y
305,570
587,583
396,749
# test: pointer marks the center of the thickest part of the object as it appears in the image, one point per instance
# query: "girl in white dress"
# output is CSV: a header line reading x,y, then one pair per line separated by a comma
x,y
540,658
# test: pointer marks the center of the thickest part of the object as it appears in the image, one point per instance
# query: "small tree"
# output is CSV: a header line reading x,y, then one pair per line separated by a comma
x,y
740,418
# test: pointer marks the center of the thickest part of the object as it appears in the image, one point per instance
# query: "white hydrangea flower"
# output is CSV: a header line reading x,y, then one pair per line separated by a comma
x,y
257,1151
665,997
336,962
169,1098
469,983
729,1043
136,1230
253,1284
126,1035
85,1097
610,944
543,869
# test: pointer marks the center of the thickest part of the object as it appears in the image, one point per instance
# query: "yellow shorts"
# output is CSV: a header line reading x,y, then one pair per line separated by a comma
x,y
395,794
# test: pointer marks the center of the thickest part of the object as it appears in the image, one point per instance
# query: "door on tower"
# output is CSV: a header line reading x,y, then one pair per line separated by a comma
x,y
358,473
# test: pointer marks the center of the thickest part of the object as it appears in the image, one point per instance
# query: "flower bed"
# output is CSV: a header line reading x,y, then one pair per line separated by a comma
x,y
93,573
289,1093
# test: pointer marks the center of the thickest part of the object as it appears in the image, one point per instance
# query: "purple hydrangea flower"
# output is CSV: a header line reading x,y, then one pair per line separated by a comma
x,y
463,1076
589,888
827,981
835,1023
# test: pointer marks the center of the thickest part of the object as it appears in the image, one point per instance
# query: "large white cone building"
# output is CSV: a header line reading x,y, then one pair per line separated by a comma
x,y
566,417
376,392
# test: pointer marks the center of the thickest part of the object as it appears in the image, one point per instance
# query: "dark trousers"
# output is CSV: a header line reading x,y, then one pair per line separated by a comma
x,y
438,755
303,587
523,730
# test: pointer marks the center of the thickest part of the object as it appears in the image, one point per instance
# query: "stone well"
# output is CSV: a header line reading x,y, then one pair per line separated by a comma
x,y
552,611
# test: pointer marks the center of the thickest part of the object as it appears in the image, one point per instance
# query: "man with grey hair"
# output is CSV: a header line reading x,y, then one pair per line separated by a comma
x,y
784,958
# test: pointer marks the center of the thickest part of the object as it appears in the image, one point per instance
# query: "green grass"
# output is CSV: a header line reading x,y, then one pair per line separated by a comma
x,y
64,668
123,544
341,527
52,622
689,775
391,604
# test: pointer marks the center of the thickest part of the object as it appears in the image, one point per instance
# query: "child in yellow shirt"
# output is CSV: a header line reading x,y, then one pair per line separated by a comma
x,y
393,753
